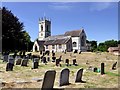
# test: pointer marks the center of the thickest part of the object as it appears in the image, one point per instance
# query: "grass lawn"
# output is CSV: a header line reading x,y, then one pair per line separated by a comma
x,y
12,79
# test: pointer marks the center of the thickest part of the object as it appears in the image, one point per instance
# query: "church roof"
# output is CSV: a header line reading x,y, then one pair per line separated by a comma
x,y
57,37
74,33
57,41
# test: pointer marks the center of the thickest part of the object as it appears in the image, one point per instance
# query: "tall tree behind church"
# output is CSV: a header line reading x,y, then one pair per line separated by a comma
x,y
13,34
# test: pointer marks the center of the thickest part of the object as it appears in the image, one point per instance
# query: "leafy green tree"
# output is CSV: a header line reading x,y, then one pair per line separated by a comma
x,y
13,35
105,45
93,45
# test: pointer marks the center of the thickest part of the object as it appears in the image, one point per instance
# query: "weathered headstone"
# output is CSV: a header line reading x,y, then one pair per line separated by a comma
x,y
74,62
9,67
57,62
64,77
11,60
67,62
40,52
102,69
48,81
114,66
79,75
80,52
95,69
18,61
53,59
35,63
44,60
76,51
24,62
5,58
10,64
48,59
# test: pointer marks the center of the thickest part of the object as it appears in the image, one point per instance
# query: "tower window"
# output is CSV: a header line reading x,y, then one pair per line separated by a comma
x,y
74,44
41,27
41,34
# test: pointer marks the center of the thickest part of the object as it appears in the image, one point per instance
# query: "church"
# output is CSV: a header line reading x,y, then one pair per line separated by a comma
x,y
69,41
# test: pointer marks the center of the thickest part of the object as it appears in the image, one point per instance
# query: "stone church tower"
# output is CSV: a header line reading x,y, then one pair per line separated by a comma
x,y
44,28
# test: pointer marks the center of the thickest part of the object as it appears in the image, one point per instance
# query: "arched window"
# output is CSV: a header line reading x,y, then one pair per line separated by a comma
x,y
41,27
74,44
82,41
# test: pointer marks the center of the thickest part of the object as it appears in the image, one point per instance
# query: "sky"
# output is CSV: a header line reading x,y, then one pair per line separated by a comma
x,y
99,19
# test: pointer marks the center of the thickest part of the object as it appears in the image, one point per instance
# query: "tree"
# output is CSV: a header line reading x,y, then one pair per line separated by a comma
x,y
93,45
13,35
105,45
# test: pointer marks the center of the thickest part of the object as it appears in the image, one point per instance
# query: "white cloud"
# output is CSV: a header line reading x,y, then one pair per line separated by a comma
x,y
61,6
100,6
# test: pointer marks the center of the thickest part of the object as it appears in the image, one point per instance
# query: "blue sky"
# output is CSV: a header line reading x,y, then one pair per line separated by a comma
x,y
99,19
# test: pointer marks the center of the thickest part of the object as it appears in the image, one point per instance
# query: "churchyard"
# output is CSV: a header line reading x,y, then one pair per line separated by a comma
x,y
31,76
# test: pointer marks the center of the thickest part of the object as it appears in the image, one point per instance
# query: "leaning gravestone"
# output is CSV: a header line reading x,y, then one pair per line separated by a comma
x,y
102,69
64,77
48,81
79,75
24,62
114,66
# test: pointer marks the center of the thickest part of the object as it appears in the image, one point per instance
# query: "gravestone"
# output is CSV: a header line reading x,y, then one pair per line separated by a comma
x,y
11,60
35,63
114,66
53,54
95,69
48,81
67,62
80,52
18,61
47,53
48,59
53,59
76,51
24,62
40,52
44,60
74,62
102,69
79,75
9,67
5,58
64,77
58,62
